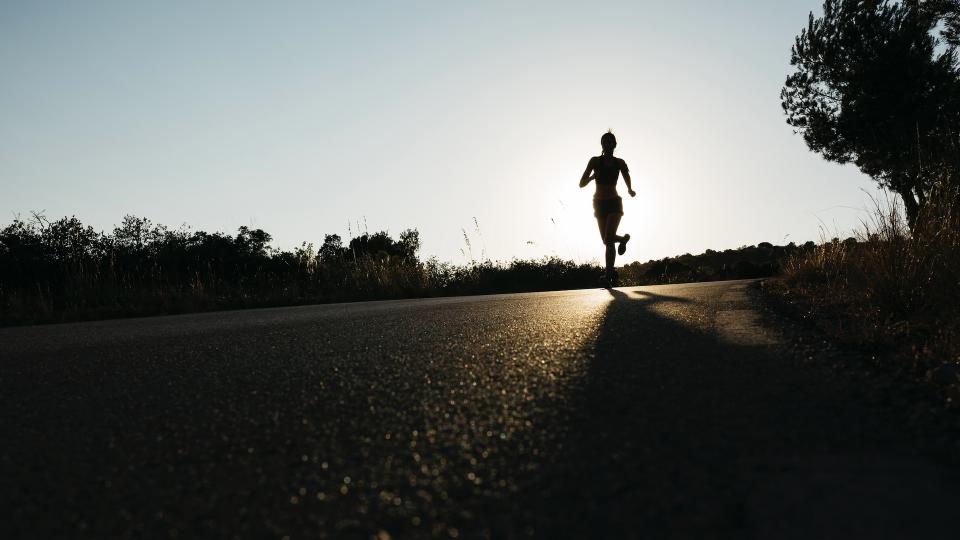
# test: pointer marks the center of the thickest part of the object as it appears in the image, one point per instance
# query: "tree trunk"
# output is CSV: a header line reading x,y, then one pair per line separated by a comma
x,y
911,205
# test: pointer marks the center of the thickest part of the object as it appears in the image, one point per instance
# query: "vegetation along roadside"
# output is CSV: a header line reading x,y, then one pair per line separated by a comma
x,y
62,270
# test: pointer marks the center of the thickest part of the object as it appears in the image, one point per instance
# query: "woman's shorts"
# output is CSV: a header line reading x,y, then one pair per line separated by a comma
x,y
605,207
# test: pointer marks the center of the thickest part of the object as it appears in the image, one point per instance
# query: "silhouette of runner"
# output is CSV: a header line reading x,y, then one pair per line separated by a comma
x,y
607,204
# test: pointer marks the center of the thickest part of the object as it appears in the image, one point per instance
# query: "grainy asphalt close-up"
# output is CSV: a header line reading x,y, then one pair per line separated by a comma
x,y
669,411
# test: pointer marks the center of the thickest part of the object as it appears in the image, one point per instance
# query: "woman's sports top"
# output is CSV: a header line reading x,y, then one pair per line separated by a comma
x,y
608,170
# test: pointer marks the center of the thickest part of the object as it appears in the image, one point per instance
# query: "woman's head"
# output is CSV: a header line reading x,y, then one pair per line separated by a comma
x,y
608,142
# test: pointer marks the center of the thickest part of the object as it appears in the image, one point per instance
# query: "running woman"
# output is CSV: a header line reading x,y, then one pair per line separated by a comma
x,y
607,204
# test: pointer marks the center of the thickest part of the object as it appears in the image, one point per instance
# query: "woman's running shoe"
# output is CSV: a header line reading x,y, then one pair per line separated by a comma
x,y
622,248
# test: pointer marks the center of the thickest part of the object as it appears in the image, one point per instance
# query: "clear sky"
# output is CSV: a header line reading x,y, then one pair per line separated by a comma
x,y
302,118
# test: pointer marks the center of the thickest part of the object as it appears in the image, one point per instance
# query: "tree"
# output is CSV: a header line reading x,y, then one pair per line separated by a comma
x,y
332,248
948,13
409,244
873,85
253,242
134,233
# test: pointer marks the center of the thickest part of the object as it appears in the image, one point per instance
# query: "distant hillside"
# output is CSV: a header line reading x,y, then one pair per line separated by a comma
x,y
761,260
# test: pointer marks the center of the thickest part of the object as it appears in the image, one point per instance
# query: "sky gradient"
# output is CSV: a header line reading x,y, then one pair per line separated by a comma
x,y
312,118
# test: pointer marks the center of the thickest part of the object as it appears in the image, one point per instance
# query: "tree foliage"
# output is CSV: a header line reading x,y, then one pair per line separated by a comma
x,y
874,85
948,13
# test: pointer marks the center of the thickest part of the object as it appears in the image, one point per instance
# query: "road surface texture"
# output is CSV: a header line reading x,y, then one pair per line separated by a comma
x,y
632,413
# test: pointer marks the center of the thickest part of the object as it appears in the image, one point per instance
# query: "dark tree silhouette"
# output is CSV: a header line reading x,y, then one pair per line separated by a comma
x,y
947,11
254,242
332,248
876,87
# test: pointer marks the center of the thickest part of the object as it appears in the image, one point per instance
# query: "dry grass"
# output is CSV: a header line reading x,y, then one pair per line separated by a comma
x,y
889,288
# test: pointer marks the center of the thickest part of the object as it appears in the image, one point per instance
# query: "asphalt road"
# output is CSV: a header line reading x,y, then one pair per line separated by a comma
x,y
670,411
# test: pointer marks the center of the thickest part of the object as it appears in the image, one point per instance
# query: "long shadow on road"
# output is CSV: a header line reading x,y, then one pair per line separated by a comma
x,y
679,433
